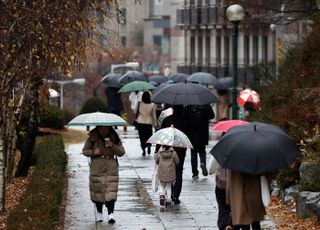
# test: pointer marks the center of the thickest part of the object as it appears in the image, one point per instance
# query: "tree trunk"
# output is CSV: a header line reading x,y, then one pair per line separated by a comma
x,y
2,163
27,142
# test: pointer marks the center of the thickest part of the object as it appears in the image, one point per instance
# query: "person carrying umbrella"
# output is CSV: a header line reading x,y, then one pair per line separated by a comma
x,y
103,146
199,116
166,159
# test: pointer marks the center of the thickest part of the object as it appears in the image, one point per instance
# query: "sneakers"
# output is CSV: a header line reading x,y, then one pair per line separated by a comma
x,y
99,217
229,227
204,169
111,219
162,200
176,201
195,177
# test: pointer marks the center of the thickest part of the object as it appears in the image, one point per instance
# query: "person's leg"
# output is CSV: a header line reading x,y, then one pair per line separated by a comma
x,y
168,191
98,214
194,163
224,210
256,225
110,207
147,136
176,189
162,193
203,159
99,206
140,133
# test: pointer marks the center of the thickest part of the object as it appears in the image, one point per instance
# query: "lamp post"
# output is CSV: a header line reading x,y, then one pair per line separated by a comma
x,y
80,81
235,14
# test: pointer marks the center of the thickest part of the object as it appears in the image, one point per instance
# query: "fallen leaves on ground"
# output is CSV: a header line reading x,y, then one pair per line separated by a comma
x,y
14,191
286,218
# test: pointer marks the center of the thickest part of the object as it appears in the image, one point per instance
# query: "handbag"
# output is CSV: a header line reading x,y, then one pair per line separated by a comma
x,y
213,165
155,179
265,193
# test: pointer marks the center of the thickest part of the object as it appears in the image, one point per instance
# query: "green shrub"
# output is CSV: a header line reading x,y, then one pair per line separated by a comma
x,y
39,206
93,104
51,116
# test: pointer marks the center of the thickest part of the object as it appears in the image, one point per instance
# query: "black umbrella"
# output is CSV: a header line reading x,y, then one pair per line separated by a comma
x,y
111,80
203,78
179,77
255,148
158,79
184,94
224,83
132,76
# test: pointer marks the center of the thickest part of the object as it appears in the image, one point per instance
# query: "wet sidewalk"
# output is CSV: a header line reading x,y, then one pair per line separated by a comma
x,y
138,206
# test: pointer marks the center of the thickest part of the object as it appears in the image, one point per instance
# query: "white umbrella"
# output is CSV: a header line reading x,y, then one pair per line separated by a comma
x,y
53,93
97,119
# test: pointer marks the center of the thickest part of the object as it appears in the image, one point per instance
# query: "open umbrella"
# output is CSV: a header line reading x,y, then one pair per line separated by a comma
x,y
165,113
171,137
203,78
249,96
132,76
224,83
97,118
224,126
111,80
255,148
136,86
179,77
158,79
184,94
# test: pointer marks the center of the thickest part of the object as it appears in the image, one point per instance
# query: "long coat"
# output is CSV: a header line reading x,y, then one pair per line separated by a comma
x,y
104,172
244,197
167,161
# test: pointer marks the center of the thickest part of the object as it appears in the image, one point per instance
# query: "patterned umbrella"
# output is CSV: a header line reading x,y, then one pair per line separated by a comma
x,y
249,96
170,137
97,118
165,113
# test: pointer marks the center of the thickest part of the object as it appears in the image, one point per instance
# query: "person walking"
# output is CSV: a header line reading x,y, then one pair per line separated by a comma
x,y
244,197
103,146
180,121
199,116
146,119
166,159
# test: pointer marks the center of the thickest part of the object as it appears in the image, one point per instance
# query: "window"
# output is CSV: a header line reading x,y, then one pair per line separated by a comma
x,y
208,51
218,50
123,16
265,49
157,43
123,41
226,50
192,50
246,46
255,49
200,50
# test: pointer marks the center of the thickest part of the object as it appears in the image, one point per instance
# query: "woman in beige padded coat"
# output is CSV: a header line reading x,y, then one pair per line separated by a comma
x,y
103,146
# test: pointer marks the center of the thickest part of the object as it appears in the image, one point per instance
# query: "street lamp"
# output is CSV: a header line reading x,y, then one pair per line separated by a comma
x,y
80,81
235,14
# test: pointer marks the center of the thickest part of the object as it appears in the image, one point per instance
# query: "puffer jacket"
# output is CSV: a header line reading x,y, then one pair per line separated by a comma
x,y
104,172
166,161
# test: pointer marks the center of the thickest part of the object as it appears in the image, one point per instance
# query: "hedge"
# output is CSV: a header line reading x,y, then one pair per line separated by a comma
x,y
39,206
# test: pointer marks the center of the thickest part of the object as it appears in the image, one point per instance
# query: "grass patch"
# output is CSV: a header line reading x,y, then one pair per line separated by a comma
x,y
39,206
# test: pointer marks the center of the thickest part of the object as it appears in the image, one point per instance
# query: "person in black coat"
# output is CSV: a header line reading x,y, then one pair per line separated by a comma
x,y
179,120
199,116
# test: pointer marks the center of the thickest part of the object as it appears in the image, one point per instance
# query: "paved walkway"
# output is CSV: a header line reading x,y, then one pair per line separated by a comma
x,y
138,206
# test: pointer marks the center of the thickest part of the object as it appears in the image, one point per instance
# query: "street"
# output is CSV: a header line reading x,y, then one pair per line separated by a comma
x,y
138,206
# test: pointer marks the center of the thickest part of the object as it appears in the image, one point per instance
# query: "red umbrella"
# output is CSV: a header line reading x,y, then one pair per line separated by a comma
x,y
249,96
224,126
